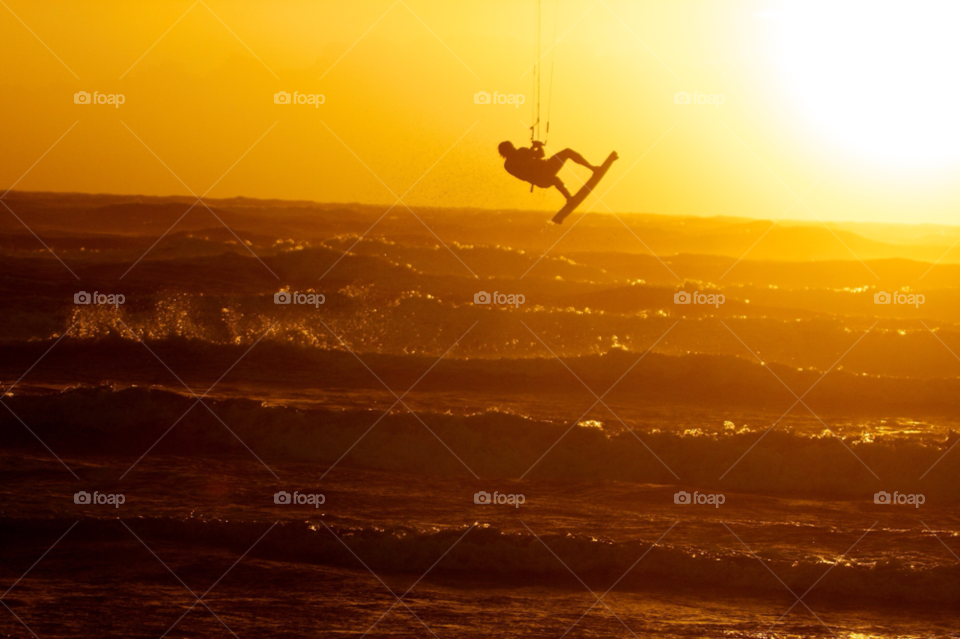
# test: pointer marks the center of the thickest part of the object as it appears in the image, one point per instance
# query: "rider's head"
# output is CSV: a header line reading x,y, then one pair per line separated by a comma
x,y
506,148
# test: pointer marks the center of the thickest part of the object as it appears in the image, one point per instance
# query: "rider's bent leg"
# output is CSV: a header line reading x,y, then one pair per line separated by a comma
x,y
557,182
570,154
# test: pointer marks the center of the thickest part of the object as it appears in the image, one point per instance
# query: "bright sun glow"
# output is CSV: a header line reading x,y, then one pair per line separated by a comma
x,y
880,76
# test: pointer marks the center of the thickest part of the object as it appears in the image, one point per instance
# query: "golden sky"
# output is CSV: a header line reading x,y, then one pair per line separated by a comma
x,y
855,102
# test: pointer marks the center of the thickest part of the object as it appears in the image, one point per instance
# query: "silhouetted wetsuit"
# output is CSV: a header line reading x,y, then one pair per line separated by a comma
x,y
528,165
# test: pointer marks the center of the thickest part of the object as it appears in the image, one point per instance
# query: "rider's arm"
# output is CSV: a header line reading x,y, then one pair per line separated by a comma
x,y
537,147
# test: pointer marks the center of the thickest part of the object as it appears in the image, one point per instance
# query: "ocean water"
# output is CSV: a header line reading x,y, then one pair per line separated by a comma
x,y
588,415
